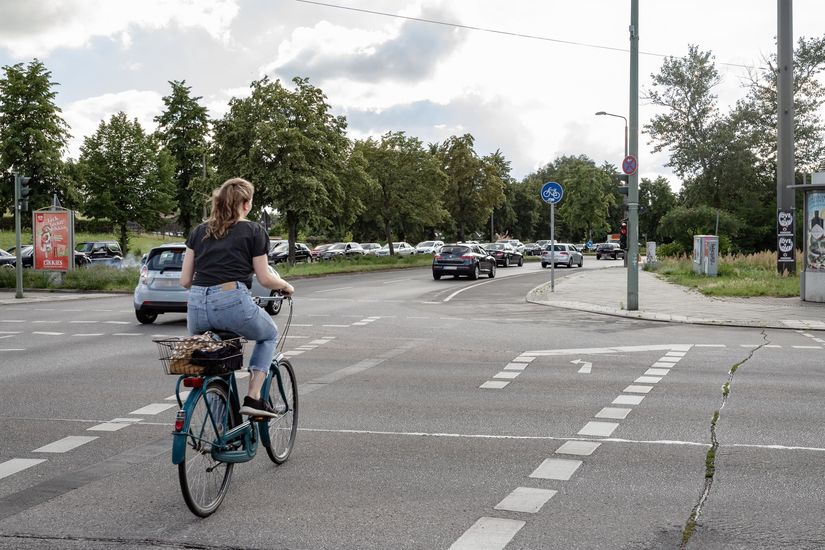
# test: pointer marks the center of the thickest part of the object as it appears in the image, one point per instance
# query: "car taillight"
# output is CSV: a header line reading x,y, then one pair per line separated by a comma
x,y
144,275
439,257
468,258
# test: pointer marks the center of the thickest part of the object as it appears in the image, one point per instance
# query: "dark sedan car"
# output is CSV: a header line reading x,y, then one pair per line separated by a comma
x,y
505,254
609,250
27,257
280,253
463,259
6,259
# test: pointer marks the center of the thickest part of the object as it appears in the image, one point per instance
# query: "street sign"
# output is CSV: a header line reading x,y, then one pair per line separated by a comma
x,y
551,192
589,245
630,165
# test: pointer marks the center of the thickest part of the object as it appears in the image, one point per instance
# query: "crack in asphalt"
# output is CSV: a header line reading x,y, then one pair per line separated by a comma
x,y
710,457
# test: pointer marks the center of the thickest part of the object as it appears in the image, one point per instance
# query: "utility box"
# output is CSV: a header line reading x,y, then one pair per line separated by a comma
x,y
650,256
706,255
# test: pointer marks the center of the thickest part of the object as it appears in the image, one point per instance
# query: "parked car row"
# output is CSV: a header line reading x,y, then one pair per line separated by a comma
x,y
8,258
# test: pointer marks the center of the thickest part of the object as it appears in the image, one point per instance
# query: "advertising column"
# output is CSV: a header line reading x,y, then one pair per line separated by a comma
x,y
53,240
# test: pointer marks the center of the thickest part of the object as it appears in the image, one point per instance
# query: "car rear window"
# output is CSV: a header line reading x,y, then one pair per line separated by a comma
x,y
455,250
166,260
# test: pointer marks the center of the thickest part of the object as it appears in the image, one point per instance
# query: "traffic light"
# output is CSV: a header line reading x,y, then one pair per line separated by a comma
x,y
624,181
623,237
25,193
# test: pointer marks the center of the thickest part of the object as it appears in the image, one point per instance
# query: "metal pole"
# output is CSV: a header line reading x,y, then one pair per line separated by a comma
x,y
552,247
633,180
18,265
785,154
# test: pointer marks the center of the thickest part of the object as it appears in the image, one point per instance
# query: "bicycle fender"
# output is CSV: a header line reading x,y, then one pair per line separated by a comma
x,y
179,438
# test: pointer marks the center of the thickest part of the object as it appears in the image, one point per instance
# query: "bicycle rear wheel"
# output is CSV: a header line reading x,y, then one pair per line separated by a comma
x,y
203,480
282,430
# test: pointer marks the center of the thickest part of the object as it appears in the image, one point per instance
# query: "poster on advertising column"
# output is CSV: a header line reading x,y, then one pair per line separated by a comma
x,y
816,230
53,240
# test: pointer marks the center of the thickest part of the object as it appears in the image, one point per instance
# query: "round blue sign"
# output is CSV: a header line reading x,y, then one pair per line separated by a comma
x,y
589,244
551,192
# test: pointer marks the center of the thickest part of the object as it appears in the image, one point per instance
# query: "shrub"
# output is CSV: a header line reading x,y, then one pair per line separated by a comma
x,y
673,249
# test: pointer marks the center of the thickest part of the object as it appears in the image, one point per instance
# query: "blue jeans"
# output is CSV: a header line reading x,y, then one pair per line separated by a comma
x,y
212,308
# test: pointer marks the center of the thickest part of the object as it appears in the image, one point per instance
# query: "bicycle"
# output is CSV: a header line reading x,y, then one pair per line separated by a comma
x,y
209,437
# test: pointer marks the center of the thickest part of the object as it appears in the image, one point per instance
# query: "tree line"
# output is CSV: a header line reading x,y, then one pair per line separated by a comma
x,y
311,180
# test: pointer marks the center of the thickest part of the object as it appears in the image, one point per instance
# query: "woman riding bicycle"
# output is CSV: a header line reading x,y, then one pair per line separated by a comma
x,y
221,255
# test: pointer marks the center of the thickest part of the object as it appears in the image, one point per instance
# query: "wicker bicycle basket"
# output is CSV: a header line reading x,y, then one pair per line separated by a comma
x,y
203,354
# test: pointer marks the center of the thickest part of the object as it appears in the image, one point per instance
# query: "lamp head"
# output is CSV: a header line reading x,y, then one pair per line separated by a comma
x,y
601,113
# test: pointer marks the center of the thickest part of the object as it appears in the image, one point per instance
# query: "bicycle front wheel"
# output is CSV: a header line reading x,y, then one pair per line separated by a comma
x,y
203,480
282,430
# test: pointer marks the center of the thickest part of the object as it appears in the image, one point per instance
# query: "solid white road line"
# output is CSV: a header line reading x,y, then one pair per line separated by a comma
x,y
599,429
15,465
561,469
49,333
66,444
488,534
154,408
615,413
581,448
525,499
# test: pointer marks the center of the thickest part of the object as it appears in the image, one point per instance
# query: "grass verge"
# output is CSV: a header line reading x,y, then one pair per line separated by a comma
x,y
745,276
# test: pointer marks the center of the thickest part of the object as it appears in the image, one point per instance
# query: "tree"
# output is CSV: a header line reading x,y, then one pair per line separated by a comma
x,y
682,223
655,200
289,145
124,176
33,135
474,185
757,113
408,184
585,207
182,129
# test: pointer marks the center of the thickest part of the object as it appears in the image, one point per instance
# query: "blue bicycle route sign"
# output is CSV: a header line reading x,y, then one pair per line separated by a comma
x,y
551,192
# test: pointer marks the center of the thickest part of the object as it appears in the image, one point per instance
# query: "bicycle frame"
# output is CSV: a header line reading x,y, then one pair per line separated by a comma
x,y
248,433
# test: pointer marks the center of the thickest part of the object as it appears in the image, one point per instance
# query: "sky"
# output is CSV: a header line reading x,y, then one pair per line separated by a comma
x,y
530,89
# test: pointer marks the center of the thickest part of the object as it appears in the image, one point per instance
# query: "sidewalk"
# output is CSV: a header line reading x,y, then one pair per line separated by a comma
x,y
39,296
605,291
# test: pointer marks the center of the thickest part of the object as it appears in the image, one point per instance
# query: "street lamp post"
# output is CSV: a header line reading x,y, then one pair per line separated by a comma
x,y
625,127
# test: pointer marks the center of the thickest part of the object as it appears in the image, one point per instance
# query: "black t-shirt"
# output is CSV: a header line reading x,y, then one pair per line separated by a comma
x,y
219,261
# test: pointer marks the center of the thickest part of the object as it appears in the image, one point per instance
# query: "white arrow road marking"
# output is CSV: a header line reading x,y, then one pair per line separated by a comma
x,y
585,366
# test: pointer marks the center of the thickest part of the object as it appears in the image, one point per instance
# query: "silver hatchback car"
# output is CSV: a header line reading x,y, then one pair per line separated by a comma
x,y
159,290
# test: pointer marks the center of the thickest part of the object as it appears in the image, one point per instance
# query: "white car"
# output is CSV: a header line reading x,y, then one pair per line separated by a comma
x,y
400,249
517,244
370,248
429,247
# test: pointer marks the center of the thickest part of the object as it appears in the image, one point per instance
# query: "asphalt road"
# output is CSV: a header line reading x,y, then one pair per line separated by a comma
x,y
434,414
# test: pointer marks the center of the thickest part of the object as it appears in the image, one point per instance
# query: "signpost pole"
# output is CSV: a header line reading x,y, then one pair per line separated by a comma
x,y
633,179
18,264
552,247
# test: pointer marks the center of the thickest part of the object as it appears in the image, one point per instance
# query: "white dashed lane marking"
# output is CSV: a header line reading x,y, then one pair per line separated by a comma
x,y
154,408
561,469
628,400
66,444
493,385
615,413
581,448
528,500
599,429
49,333
113,425
15,465
488,534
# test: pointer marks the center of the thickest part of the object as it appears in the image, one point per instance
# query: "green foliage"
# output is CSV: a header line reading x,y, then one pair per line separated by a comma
x,y
474,185
289,145
33,135
682,223
124,176
182,129
655,200
668,250
407,186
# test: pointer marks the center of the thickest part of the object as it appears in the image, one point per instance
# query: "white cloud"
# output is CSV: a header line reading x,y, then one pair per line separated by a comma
x,y
85,116
35,29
